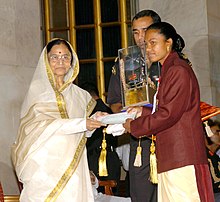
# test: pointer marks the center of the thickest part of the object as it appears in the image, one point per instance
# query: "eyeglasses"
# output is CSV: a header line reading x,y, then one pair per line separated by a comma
x,y
56,58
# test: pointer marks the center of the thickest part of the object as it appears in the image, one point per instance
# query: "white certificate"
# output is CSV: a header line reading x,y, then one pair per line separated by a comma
x,y
117,118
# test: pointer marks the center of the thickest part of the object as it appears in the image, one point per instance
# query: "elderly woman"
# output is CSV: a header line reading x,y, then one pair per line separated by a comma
x,y
50,155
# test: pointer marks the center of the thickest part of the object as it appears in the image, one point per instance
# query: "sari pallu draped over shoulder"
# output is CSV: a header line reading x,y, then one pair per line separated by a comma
x,y
49,154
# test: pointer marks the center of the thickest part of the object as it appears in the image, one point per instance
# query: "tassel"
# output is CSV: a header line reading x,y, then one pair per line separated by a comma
x,y
102,158
208,129
138,161
153,162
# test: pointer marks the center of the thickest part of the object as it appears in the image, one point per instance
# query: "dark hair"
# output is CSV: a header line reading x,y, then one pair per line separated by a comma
x,y
90,87
168,31
58,42
147,13
212,123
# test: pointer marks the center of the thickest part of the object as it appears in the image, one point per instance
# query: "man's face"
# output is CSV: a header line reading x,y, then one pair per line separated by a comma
x,y
139,27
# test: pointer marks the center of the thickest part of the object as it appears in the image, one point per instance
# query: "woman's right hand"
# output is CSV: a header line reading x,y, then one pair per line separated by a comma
x,y
92,124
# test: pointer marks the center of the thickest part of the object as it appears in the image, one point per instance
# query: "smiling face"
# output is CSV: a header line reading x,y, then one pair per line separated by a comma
x,y
157,46
59,59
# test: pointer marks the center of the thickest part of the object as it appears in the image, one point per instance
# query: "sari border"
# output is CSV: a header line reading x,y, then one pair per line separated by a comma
x,y
68,173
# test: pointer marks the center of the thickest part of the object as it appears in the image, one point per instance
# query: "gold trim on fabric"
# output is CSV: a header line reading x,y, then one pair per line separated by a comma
x,y
61,105
68,173
27,122
90,107
73,165
59,97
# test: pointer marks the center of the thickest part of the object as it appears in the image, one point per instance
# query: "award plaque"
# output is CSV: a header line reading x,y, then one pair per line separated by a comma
x,y
136,86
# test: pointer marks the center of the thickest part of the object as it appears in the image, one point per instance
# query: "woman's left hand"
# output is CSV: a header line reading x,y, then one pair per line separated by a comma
x,y
136,110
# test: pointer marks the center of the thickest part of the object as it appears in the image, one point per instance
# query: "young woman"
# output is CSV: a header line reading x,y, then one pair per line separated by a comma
x,y
49,154
180,148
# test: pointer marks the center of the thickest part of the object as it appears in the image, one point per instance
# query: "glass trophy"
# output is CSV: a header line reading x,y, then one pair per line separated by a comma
x,y
137,88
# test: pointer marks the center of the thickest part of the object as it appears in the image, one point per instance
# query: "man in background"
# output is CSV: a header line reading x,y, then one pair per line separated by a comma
x,y
141,189
213,154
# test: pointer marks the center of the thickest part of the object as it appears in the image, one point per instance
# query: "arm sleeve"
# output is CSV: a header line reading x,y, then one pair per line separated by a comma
x,y
70,126
114,88
175,98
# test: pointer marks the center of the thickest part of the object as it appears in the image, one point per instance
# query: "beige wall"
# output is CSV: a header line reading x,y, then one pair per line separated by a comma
x,y
197,21
213,7
20,41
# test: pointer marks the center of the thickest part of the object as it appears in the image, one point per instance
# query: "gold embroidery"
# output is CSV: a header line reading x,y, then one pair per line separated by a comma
x,y
68,173
114,70
59,97
72,167
90,107
20,151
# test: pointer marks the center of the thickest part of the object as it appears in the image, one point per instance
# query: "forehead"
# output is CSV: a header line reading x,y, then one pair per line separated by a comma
x,y
59,48
153,33
141,23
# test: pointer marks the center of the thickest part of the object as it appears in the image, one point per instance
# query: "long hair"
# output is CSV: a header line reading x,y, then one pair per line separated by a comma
x,y
169,32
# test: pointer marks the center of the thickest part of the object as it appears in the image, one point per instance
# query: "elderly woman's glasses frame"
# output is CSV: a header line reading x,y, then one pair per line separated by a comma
x,y
56,58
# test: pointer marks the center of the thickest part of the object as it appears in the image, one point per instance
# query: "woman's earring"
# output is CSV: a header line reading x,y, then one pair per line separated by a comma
x,y
168,48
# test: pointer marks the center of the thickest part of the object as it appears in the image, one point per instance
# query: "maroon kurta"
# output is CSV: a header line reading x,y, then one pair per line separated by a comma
x,y
177,122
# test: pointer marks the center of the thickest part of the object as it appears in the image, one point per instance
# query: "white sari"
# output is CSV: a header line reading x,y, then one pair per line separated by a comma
x,y
50,155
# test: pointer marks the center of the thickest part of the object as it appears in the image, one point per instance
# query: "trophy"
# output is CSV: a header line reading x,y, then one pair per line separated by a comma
x,y
137,88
